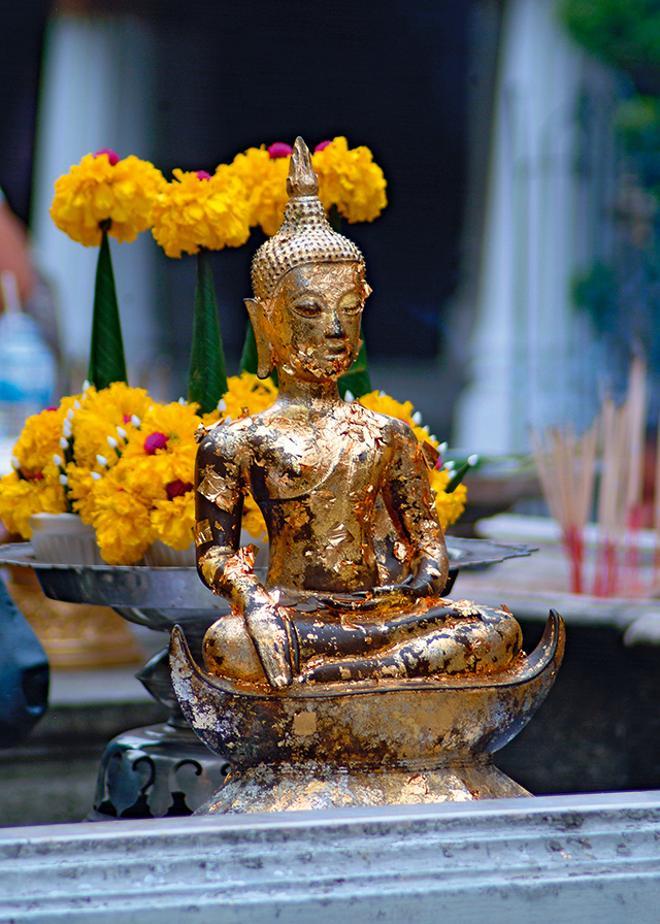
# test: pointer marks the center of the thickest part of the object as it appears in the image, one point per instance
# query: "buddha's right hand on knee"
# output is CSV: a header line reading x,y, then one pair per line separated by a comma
x,y
270,631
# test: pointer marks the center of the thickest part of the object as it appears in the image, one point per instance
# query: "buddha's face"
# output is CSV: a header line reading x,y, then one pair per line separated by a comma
x,y
314,320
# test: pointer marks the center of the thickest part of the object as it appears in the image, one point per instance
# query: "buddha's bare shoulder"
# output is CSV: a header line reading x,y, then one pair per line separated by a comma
x,y
226,438
391,429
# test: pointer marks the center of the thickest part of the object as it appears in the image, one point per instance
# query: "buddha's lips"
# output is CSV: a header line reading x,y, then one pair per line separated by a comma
x,y
337,349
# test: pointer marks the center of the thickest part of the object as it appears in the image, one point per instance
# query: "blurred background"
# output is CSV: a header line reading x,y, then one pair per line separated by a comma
x,y
516,268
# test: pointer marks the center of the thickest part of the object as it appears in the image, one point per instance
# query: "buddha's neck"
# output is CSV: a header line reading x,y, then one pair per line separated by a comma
x,y
299,391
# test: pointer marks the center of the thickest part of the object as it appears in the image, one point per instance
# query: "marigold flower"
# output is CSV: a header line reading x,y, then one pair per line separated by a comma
x,y
100,189
178,488
279,149
350,180
120,517
20,498
173,520
96,421
264,179
449,507
39,441
246,394
191,213
154,442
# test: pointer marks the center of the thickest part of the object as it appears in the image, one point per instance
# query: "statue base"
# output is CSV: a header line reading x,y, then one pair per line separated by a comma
x,y
384,742
310,785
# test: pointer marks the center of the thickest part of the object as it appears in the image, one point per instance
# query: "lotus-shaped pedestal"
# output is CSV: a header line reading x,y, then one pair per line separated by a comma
x,y
364,743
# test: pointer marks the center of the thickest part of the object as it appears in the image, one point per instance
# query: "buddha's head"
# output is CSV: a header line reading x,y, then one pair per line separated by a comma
x,y
309,286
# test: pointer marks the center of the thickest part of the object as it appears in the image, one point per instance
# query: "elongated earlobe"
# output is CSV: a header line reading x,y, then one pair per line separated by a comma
x,y
255,309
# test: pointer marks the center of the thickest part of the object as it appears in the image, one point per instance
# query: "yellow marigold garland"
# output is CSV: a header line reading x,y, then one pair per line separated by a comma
x,y
351,180
104,188
20,498
197,211
264,180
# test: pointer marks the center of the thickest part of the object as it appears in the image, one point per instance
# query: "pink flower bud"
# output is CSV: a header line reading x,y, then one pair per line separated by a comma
x,y
178,488
280,149
154,442
203,175
321,146
112,156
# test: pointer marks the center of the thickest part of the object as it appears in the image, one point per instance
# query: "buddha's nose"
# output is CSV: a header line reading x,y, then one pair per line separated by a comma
x,y
335,331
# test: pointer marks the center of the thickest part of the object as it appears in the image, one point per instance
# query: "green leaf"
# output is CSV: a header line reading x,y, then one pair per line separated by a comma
x,y
106,355
249,354
207,379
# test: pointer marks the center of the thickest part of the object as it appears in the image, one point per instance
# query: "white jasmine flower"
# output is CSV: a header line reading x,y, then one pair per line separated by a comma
x,y
473,459
95,475
112,442
57,460
121,433
102,461
349,396
86,385
417,418
222,405
442,447
135,420
64,443
64,479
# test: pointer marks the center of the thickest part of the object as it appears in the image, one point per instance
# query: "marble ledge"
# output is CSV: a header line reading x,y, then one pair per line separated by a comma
x,y
578,858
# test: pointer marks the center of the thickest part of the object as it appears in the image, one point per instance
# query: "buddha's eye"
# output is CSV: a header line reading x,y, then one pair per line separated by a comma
x,y
308,308
352,307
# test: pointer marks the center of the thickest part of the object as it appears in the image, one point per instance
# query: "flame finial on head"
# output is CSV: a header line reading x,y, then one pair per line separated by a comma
x,y
305,235
302,180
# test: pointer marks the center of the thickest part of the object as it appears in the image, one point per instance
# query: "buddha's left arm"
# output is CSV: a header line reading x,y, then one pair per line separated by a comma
x,y
409,501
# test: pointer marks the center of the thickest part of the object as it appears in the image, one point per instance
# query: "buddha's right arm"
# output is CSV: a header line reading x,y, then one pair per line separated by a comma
x,y
224,567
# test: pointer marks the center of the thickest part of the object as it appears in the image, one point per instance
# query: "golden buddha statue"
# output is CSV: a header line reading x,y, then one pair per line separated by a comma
x,y
323,471
346,677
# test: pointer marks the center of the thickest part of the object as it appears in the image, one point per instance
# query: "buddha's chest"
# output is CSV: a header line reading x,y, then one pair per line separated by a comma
x,y
316,464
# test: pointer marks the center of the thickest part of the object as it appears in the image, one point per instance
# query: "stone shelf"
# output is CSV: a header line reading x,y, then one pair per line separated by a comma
x,y
563,858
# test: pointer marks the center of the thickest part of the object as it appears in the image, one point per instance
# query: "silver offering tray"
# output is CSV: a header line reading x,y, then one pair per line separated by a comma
x,y
161,597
